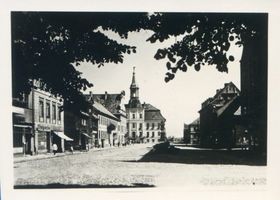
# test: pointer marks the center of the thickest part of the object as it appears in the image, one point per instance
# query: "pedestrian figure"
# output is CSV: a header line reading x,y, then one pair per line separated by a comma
x,y
54,149
71,149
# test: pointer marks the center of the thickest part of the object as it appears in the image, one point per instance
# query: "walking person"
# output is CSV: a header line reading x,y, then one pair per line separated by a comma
x,y
72,149
54,149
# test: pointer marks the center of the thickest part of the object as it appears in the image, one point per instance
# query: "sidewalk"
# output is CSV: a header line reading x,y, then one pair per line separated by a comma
x,y
25,158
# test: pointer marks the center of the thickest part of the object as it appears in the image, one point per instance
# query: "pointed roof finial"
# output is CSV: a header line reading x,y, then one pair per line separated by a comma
x,y
133,83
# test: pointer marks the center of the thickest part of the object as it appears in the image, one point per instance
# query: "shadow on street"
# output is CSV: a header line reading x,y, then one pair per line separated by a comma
x,y
171,154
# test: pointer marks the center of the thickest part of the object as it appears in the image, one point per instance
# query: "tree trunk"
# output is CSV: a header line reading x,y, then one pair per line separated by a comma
x,y
254,84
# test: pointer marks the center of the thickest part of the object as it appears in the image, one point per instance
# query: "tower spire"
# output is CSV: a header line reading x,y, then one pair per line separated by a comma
x,y
133,83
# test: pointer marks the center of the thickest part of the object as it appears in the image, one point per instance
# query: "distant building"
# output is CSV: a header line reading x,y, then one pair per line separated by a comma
x,y
145,122
107,124
154,122
192,133
217,123
114,104
38,123
77,126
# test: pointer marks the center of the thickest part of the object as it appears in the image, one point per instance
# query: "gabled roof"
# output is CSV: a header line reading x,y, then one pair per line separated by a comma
x,y
233,105
148,106
111,102
154,115
195,122
215,102
100,108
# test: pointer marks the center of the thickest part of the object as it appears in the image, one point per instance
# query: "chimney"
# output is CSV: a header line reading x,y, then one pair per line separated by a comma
x,y
106,95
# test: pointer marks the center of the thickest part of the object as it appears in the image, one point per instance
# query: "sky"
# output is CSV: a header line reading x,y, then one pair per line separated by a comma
x,y
180,99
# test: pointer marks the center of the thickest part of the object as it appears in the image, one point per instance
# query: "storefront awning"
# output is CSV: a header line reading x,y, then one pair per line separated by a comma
x,y
22,126
86,135
61,135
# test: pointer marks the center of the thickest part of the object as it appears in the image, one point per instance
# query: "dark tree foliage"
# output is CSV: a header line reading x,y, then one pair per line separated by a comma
x,y
206,38
48,46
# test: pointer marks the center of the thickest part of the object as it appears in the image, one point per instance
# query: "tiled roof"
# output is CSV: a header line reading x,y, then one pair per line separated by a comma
x,y
232,104
153,115
215,102
148,106
103,110
112,102
195,122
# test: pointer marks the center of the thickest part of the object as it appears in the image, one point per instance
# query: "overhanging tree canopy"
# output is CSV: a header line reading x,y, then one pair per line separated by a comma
x,y
47,46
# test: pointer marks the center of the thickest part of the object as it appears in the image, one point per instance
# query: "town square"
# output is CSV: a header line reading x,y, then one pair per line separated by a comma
x,y
139,100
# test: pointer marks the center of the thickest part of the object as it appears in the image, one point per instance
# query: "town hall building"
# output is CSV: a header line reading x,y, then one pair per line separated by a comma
x,y
145,122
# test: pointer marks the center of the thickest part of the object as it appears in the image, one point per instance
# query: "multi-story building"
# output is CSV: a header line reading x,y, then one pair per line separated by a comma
x,y
107,125
114,104
192,132
38,122
217,123
145,122
78,127
154,124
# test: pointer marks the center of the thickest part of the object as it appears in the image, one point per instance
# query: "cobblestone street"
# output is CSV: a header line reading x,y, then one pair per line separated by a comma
x,y
117,167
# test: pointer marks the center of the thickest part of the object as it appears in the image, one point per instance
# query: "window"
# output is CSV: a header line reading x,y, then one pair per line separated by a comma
x,y
140,115
153,125
158,133
83,122
59,113
153,134
53,112
158,125
133,116
140,126
153,140
48,109
127,125
148,134
41,109
147,126
148,140
133,125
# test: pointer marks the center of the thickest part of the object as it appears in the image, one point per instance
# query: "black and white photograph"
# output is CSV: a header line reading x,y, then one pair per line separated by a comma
x,y
127,101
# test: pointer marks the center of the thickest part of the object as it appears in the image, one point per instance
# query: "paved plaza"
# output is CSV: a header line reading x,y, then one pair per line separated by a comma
x,y
121,167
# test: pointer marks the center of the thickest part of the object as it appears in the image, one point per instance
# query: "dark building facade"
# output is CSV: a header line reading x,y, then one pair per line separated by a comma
x,y
217,123
78,127
192,133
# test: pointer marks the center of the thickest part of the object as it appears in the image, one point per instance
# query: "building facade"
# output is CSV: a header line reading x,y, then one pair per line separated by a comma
x,y
192,133
145,122
78,127
217,123
38,123
114,104
106,126
154,123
